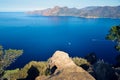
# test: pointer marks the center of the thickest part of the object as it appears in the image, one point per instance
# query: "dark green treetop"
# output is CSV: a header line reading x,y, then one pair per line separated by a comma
x,y
114,35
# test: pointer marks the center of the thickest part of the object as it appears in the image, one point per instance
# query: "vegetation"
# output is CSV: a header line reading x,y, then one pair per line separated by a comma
x,y
7,57
8,74
114,35
80,61
23,73
42,68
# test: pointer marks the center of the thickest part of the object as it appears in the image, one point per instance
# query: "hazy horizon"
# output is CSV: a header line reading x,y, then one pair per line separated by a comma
x,y
28,5
53,7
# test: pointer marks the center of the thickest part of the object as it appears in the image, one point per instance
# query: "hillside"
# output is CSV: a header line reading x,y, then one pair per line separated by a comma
x,y
88,12
62,67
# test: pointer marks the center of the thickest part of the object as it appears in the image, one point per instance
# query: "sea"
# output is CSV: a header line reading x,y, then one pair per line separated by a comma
x,y
41,36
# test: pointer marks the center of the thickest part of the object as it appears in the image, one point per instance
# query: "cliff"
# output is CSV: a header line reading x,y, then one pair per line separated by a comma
x,y
88,12
63,68
58,67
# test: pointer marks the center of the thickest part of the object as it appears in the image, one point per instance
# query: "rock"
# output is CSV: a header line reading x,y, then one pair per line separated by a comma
x,y
104,71
60,60
91,58
43,77
65,69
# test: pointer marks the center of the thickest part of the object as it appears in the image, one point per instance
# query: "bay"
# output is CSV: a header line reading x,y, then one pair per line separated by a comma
x,y
41,36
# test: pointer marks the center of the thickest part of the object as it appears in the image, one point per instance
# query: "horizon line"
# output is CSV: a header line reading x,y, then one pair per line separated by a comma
x,y
56,6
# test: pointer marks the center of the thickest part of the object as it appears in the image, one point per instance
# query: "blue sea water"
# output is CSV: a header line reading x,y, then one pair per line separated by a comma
x,y
41,36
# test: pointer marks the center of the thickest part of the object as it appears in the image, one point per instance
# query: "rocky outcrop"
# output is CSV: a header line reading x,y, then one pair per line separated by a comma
x,y
63,68
61,60
88,12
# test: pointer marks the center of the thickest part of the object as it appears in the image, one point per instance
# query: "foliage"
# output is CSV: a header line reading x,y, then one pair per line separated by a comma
x,y
7,57
23,73
80,61
9,74
42,67
114,35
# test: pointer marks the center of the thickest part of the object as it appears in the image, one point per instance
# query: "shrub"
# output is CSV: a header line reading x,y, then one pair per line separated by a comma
x,y
7,57
80,61
23,73
114,35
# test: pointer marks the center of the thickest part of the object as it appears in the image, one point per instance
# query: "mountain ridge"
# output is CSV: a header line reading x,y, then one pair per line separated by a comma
x,y
87,12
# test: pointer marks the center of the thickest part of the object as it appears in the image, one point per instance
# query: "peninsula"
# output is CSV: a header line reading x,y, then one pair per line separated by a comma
x,y
87,12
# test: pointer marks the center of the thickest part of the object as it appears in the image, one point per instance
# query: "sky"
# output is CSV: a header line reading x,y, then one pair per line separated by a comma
x,y
28,5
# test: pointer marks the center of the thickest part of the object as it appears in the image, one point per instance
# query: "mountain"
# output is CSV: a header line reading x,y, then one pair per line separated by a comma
x,y
88,12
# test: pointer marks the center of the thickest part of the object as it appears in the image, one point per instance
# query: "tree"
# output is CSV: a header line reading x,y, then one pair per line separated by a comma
x,y
114,35
7,57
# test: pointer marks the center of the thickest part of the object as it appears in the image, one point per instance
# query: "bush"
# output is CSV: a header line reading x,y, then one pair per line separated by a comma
x,y
114,35
80,61
7,57
23,73
9,74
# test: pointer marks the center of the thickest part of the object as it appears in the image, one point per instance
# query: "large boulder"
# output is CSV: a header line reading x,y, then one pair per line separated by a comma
x,y
63,68
61,60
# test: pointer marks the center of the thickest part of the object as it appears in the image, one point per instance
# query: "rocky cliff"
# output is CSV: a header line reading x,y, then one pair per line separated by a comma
x,y
88,12
63,68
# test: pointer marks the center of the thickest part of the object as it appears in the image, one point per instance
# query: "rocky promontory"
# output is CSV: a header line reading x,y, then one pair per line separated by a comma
x,y
65,69
62,67
87,12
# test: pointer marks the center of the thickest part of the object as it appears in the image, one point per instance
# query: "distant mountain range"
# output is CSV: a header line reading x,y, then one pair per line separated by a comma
x,y
88,12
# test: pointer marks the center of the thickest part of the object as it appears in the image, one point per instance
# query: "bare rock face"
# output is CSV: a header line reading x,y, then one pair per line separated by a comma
x,y
65,69
61,60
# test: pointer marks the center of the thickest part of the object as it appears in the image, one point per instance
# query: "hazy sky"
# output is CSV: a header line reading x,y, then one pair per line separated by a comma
x,y
26,5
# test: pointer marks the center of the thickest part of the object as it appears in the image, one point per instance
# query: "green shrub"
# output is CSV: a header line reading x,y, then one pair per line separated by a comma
x,y
80,61
23,73
7,57
9,74
114,35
